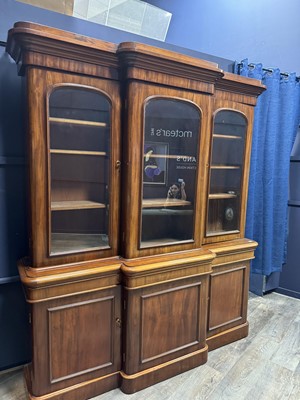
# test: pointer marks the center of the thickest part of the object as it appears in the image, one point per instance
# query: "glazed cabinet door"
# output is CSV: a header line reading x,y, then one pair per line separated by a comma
x,y
74,159
164,161
228,175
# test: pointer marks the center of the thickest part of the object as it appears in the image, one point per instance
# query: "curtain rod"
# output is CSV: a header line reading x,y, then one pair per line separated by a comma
x,y
286,74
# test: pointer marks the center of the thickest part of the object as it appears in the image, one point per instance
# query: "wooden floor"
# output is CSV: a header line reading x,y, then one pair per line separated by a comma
x,y
264,366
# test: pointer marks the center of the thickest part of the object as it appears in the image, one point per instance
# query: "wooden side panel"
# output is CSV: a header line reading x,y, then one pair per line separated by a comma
x,y
165,322
228,298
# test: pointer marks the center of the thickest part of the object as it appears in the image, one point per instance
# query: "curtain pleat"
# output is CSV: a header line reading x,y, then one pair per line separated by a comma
x,y
276,118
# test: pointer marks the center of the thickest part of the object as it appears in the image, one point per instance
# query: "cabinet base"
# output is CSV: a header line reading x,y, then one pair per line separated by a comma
x,y
133,383
226,337
81,391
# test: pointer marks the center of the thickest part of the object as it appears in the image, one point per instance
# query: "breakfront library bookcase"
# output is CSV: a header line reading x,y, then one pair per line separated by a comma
x,y
138,163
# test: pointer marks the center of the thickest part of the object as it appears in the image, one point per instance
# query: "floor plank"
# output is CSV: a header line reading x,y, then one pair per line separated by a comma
x,y
288,354
295,392
275,385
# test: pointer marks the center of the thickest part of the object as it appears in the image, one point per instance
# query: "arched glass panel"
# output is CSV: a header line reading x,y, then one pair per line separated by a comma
x,y
171,142
79,124
226,172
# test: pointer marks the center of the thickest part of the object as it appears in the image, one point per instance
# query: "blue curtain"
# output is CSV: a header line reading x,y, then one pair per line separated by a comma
x,y
276,119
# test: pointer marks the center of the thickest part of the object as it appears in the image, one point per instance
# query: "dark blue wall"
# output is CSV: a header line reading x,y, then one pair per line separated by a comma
x,y
289,283
14,329
263,31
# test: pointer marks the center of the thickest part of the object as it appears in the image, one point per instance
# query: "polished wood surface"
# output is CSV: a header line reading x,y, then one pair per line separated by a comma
x,y
153,315
76,122
226,294
147,271
82,152
160,66
221,196
165,309
149,203
136,51
165,330
133,383
45,283
239,89
78,339
33,44
75,204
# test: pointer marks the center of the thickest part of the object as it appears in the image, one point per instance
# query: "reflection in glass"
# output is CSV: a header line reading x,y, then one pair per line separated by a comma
x,y
171,142
79,121
227,163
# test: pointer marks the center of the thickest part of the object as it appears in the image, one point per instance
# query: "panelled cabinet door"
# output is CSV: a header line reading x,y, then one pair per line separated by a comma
x,y
81,169
165,322
77,339
165,168
228,175
228,296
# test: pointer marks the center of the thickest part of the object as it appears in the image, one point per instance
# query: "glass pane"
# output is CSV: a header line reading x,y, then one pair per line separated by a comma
x,y
226,173
171,142
79,122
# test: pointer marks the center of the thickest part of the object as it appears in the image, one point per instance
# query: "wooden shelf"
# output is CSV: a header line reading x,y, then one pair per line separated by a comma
x,y
156,203
78,152
220,136
230,124
167,211
225,167
163,242
75,205
217,196
64,243
221,232
76,122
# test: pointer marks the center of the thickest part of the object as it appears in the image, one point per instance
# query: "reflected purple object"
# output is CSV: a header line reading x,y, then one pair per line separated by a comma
x,y
151,171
